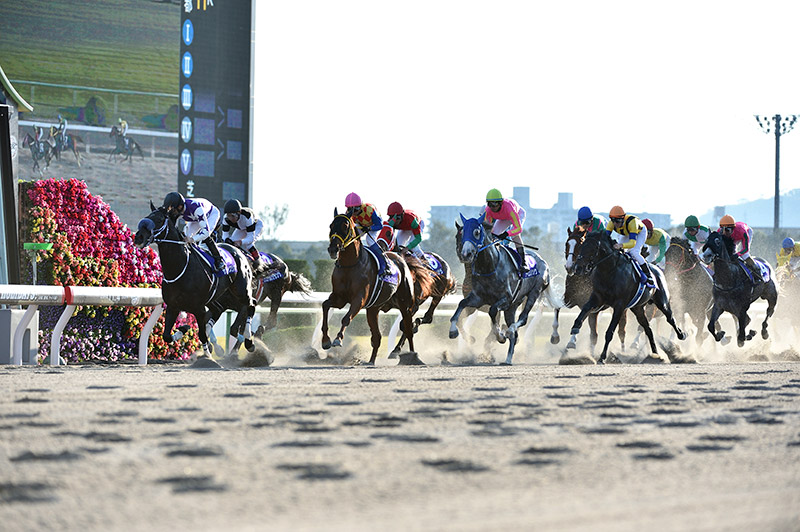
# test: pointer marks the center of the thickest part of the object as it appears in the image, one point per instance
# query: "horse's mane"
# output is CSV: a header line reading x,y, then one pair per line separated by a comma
x,y
680,241
424,283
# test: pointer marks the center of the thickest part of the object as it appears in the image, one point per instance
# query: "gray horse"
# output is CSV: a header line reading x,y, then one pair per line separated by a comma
x,y
496,282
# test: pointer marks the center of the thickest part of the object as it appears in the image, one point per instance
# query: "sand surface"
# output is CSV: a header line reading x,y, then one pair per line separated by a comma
x,y
548,447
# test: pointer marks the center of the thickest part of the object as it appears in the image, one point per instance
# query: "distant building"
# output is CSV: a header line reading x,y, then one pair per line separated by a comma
x,y
551,222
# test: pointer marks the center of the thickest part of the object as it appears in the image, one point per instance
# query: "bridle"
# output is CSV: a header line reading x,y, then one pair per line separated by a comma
x,y
683,260
589,265
344,241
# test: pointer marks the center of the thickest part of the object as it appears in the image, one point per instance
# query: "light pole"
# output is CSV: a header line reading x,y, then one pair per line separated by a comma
x,y
781,126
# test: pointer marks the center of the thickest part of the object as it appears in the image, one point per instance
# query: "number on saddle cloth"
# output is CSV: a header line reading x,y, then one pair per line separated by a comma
x,y
392,274
227,258
275,274
433,264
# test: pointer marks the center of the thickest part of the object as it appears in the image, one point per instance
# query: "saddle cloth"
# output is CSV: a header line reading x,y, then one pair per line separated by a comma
x,y
230,263
433,264
763,270
530,261
392,273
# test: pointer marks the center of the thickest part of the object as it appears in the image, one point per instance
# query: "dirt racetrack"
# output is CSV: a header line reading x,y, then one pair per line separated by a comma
x,y
548,447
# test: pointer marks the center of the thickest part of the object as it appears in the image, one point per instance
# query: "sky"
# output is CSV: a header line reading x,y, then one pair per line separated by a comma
x,y
647,105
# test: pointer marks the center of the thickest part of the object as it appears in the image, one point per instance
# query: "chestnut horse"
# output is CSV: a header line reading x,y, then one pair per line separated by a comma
x,y
355,282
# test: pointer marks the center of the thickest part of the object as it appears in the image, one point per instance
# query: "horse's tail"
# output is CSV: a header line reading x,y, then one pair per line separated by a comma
x,y
138,148
298,283
424,283
553,299
76,138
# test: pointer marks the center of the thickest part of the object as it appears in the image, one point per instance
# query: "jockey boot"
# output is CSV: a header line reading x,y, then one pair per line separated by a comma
x,y
259,266
523,267
381,259
214,250
647,275
754,270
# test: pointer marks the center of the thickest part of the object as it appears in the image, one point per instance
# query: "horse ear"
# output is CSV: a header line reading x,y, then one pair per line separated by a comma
x,y
482,217
458,227
152,207
463,220
335,212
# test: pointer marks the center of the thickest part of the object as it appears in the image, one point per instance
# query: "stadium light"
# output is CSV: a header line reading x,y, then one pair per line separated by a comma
x,y
780,126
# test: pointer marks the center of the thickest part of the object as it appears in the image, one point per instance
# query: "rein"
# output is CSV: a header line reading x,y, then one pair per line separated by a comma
x,y
351,237
683,259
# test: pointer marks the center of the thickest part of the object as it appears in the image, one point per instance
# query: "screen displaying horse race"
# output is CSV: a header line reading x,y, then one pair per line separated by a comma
x,y
105,80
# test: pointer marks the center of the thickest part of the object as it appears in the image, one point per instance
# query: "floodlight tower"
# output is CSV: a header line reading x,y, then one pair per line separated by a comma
x,y
781,126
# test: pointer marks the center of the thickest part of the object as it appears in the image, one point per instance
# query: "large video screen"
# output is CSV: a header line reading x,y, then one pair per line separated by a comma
x,y
91,67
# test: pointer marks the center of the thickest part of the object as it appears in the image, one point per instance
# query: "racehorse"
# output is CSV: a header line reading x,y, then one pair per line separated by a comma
x,y
578,288
496,282
39,150
63,142
443,282
356,282
733,291
690,284
122,147
616,283
191,285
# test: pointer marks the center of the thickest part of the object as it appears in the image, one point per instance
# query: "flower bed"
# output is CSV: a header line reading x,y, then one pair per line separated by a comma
x,y
91,247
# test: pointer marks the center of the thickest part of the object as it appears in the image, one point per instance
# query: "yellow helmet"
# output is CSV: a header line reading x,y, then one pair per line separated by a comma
x,y
727,221
494,195
616,212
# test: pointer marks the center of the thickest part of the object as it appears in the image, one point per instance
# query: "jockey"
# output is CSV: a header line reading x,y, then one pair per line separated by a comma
x,y
123,130
201,217
241,227
588,222
38,133
631,227
695,233
742,236
367,220
657,242
508,217
789,255
62,129
408,227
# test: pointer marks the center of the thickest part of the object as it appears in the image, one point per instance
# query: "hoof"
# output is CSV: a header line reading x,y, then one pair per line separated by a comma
x,y
740,342
249,345
505,363
555,339
719,336
764,334
602,361
326,345
725,341
751,334
260,331
570,345
681,335
337,343
394,354
454,334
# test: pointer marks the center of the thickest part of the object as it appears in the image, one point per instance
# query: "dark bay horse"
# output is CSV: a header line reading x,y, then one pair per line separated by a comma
x,y
124,146
355,282
496,282
578,288
734,291
690,284
273,283
615,283
191,285
40,150
62,142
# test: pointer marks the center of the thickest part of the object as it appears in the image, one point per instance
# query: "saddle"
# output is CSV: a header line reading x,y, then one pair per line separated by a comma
x,y
229,267
530,262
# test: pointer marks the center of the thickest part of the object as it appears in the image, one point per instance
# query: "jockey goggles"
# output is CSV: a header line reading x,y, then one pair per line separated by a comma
x,y
618,220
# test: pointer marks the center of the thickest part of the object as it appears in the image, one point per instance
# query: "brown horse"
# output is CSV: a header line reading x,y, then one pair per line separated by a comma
x,y
63,142
355,281
578,288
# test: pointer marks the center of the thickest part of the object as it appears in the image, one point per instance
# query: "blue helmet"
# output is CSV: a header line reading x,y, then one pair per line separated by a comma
x,y
787,243
585,213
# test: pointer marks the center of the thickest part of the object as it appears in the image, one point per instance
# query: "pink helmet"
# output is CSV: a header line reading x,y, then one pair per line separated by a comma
x,y
395,208
648,223
352,200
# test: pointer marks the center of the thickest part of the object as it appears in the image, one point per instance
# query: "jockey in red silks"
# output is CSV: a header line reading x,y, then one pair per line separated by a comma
x,y
508,217
368,220
742,236
408,228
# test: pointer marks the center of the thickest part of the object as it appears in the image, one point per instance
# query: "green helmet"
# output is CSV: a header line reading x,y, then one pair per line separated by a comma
x,y
691,221
494,195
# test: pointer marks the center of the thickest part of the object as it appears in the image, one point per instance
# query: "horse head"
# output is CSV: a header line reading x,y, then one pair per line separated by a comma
x,y
575,238
679,255
114,132
473,237
717,246
596,247
156,225
342,233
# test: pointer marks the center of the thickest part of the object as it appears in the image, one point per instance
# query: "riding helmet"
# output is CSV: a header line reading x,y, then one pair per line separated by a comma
x,y
585,213
616,212
173,199
352,200
788,243
727,221
395,208
233,206
648,223
691,221
494,195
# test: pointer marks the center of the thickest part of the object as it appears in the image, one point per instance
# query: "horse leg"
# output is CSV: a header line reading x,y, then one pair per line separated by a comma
x,y
272,319
352,311
662,303
428,317
375,333
326,308
511,332
644,323
593,331
576,325
743,320
772,298
618,311
623,325
169,322
408,327
713,327
473,301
